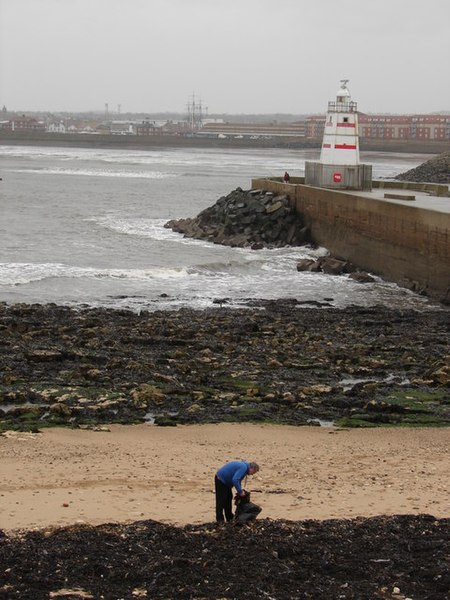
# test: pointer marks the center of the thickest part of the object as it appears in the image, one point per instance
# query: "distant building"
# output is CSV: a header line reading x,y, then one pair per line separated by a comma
x,y
391,127
104,128
415,127
315,126
121,128
147,128
254,130
56,127
161,127
24,123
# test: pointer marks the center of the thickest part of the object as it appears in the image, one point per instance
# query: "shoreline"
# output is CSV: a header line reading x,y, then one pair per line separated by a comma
x,y
130,473
168,142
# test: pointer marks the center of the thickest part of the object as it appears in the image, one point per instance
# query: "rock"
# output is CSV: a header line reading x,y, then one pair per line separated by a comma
x,y
308,264
166,421
8,378
362,277
333,266
435,170
19,411
318,389
60,409
44,355
147,394
446,299
254,219
273,207
93,373
442,375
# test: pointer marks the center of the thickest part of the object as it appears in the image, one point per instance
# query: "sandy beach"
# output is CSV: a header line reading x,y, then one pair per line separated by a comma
x,y
128,473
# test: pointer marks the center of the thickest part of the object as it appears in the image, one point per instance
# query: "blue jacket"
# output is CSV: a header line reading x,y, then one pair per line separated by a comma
x,y
233,473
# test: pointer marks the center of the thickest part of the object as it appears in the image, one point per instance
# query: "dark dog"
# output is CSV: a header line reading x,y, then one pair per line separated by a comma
x,y
246,511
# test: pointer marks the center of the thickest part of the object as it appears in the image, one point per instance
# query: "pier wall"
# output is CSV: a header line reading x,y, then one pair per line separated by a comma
x,y
403,244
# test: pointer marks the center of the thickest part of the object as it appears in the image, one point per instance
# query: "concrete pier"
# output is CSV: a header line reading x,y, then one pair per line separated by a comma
x,y
402,240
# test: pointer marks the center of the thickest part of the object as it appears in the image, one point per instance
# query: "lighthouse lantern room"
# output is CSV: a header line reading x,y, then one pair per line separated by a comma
x,y
339,165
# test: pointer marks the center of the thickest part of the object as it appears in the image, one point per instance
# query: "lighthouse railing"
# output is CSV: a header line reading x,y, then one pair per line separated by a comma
x,y
342,106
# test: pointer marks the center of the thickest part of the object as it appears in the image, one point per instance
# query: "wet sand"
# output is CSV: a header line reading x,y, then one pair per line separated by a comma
x,y
62,476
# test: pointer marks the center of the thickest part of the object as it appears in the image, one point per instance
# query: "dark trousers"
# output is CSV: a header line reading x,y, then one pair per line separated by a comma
x,y
224,499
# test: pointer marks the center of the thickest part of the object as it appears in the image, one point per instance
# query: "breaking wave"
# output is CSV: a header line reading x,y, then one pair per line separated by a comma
x,y
99,173
24,273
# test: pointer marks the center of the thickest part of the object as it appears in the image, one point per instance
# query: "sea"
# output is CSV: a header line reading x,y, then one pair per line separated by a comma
x,y
85,227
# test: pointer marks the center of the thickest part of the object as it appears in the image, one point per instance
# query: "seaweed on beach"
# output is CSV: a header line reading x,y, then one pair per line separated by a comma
x,y
364,558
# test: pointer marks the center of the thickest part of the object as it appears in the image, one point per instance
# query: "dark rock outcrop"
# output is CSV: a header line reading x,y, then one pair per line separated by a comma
x,y
334,266
435,170
254,218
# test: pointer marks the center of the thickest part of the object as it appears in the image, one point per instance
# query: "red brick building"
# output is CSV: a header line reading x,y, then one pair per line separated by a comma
x,y
391,127
24,123
147,128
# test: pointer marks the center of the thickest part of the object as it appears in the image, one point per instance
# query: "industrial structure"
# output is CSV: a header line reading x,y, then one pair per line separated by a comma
x,y
195,114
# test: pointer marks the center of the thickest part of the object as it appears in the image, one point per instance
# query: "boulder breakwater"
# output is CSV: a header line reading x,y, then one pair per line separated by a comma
x,y
254,218
435,170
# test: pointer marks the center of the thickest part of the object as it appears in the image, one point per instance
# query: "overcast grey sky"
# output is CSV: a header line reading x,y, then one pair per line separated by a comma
x,y
238,56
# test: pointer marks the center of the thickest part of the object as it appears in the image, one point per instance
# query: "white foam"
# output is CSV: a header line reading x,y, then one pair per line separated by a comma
x,y
151,228
99,173
24,273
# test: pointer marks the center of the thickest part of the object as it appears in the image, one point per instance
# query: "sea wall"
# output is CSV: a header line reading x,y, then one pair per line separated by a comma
x,y
85,140
403,244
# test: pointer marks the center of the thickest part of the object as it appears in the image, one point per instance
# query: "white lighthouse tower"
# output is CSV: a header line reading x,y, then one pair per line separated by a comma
x,y
340,144
339,165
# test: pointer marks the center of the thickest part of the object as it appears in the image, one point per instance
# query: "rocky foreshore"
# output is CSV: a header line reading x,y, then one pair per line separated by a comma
x,y
274,362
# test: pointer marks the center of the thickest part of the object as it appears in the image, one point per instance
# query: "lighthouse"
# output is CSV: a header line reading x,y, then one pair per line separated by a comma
x,y
339,165
340,144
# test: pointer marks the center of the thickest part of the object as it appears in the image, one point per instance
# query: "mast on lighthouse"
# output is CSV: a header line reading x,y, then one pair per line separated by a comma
x,y
339,165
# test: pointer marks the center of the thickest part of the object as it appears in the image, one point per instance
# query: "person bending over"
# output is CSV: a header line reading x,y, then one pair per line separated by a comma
x,y
228,476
